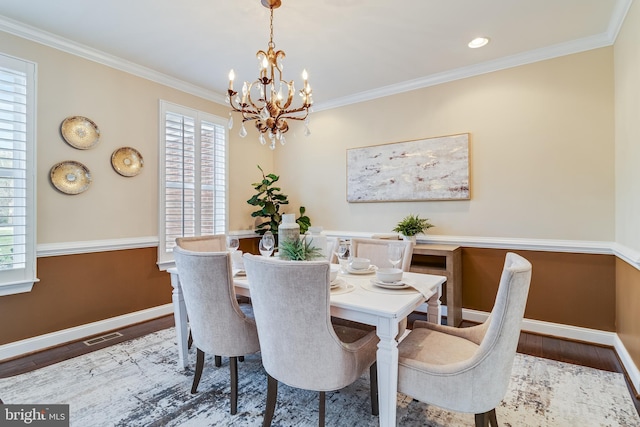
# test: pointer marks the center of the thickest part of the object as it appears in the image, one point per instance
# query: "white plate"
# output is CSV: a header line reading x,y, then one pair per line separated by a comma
x,y
371,269
396,285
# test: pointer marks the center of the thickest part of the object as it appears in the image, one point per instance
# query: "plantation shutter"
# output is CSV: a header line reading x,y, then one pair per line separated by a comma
x,y
17,181
194,196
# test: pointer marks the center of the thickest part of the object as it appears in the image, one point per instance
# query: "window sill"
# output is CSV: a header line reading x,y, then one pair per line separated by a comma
x,y
17,287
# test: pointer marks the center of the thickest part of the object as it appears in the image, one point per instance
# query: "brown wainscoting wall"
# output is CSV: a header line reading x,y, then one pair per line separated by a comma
x,y
566,288
628,308
79,289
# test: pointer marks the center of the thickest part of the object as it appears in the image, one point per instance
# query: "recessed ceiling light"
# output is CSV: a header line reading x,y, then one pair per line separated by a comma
x,y
478,42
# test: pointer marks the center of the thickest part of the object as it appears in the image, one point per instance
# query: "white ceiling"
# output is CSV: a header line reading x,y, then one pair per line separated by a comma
x,y
353,49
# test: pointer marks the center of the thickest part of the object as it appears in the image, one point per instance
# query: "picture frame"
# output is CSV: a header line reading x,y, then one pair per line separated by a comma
x,y
435,168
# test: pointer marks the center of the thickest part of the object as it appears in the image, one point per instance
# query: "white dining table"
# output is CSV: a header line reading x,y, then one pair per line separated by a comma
x,y
357,300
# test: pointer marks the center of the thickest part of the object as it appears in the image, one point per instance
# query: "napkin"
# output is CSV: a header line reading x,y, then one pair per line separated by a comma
x,y
426,290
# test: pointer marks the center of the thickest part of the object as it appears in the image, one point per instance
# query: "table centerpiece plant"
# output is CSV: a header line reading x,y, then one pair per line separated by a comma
x,y
299,250
411,225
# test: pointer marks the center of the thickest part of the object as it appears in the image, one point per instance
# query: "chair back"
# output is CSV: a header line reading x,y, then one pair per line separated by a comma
x,y
493,361
376,251
217,324
291,303
210,243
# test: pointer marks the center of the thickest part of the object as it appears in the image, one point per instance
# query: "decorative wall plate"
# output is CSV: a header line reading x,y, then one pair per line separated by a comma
x,y
80,132
127,161
70,177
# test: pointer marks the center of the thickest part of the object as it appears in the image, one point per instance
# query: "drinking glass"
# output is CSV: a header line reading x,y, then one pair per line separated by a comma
x,y
394,252
266,246
232,243
342,253
268,240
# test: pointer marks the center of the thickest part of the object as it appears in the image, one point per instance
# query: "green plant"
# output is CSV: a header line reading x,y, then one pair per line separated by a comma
x,y
269,199
298,250
412,225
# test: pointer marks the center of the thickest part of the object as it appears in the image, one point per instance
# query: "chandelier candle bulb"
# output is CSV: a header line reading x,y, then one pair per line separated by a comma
x,y
231,77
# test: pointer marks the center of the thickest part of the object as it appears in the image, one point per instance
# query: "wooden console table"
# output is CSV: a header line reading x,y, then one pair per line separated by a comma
x,y
444,260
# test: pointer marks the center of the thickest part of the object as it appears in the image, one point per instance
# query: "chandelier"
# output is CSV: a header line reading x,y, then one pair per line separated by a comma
x,y
267,101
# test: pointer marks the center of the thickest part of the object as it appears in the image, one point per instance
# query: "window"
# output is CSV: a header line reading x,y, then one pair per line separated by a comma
x,y
193,182
17,176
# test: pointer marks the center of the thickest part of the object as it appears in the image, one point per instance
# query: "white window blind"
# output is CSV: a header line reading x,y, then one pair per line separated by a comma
x,y
193,164
17,175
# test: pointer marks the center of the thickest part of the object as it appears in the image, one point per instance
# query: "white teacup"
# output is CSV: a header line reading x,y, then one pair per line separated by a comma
x,y
333,274
360,263
389,275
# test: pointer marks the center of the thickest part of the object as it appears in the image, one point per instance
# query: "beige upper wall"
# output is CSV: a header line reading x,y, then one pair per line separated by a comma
x,y
627,131
542,156
542,152
125,108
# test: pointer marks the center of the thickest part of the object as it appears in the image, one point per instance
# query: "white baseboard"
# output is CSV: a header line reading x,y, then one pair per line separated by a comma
x,y
42,342
574,333
632,369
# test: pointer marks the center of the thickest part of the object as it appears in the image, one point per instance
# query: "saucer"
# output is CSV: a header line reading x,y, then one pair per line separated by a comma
x,y
371,269
400,284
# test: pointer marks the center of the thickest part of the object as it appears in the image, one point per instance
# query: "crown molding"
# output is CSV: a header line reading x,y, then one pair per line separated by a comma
x,y
575,46
69,46
588,43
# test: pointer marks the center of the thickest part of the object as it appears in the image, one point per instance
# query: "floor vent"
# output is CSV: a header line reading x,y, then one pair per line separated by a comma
x,y
103,338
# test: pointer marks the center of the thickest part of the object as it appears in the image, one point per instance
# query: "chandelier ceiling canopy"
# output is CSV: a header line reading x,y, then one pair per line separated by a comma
x,y
268,100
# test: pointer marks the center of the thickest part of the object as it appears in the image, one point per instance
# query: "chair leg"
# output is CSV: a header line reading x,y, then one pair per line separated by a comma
x,y
321,405
241,358
190,341
272,396
218,361
487,419
198,374
233,367
373,388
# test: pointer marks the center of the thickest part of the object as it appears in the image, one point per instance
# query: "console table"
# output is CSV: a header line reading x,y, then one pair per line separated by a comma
x,y
444,260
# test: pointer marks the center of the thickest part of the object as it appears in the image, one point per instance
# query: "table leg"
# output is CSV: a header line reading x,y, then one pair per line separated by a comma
x,y
387,360
434,308
180,316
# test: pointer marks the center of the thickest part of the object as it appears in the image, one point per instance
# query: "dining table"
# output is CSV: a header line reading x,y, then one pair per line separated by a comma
x,y
354,296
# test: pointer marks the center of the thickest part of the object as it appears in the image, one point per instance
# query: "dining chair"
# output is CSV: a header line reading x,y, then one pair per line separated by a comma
x,y
377,251
468,369
332,247
300,346
219,325
208,243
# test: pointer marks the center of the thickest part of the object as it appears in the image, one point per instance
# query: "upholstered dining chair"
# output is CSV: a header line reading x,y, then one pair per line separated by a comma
x,y
468,369
218,324
206,243
377,251
300,347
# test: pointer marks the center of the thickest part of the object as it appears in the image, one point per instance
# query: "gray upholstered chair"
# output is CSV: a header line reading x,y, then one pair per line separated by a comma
x,y
206,243
468,369
218,324
210,243
300,346
376,251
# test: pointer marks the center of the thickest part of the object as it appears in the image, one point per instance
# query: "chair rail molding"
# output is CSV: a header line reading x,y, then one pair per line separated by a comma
x,y
89,246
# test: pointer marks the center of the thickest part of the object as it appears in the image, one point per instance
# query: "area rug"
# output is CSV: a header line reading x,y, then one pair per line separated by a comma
x,y
138,383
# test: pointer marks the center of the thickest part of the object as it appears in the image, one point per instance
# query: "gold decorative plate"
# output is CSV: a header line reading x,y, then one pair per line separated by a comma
x,y
80,132
70,177
127,161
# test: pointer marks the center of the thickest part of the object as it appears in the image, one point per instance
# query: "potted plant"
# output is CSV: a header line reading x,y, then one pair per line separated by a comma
x,y
412,225
269,199
299,250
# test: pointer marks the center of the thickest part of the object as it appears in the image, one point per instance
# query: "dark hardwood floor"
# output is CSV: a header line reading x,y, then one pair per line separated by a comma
x,y
579,353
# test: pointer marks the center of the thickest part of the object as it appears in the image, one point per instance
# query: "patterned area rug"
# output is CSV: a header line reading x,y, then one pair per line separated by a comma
x,y
137,383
